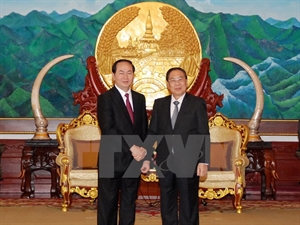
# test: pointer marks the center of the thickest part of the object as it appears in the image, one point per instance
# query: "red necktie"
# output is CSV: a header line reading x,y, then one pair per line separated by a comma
x,y
129,108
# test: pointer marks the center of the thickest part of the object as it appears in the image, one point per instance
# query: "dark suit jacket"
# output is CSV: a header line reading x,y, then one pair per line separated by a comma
x,y
114,119
192,119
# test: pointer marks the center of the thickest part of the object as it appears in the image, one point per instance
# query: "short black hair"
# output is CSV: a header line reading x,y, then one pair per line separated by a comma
x,y
175,68
114,66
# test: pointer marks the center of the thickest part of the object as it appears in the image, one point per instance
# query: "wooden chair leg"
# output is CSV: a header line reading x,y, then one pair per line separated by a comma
x,y
237,198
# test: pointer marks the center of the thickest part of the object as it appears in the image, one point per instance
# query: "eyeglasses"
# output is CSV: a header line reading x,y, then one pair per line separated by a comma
x,y
179,80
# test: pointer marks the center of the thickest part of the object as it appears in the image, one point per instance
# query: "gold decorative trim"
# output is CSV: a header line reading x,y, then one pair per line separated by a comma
x,y
212,194
151,177
86,193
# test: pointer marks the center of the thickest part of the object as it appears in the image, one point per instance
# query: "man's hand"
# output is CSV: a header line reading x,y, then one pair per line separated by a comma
x,y
145,167
138,153
202,169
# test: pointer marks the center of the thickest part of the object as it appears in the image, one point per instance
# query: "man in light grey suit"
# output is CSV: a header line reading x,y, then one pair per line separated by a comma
x,y
179,114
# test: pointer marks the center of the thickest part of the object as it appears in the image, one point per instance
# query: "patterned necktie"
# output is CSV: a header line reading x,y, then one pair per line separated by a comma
x,y
175,113
129,108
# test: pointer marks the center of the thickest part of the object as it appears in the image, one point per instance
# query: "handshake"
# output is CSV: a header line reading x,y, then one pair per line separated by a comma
x,y
139,154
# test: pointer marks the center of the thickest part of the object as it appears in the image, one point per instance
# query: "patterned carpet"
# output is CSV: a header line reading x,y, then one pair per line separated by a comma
x,y
152,207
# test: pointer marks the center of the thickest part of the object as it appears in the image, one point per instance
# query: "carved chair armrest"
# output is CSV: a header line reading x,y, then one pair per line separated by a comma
x,y
64,162
240,163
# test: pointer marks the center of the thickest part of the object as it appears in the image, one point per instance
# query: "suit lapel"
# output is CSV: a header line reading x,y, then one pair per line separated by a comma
x,y
166,111
135,102
184,108
118,99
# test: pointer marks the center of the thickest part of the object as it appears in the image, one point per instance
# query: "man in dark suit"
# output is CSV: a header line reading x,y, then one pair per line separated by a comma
x,y
121,111
191,119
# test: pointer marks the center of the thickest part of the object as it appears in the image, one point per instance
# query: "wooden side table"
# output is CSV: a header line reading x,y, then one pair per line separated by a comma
x,y
39,155
262,160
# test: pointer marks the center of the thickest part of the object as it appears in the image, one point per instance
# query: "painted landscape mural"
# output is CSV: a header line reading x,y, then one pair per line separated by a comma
x,y
270,46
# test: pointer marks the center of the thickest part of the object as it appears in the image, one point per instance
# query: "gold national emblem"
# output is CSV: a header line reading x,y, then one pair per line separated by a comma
x,y
155,37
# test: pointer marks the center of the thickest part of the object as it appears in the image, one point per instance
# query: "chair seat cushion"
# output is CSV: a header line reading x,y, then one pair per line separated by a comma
x,y
220,175
84,178
218,179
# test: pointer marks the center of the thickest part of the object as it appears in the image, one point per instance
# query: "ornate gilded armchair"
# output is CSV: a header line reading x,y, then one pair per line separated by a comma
x,y
228,161
79,143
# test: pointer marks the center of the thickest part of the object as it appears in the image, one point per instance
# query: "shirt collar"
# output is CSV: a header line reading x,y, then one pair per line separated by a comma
x,y
180,99
123,92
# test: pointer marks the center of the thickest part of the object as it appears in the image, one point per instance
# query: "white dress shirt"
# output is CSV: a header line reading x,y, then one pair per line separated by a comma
x,y
172,105
123,96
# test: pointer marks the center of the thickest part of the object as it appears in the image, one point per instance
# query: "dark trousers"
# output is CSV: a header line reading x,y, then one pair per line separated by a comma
x,y
110,190
187,189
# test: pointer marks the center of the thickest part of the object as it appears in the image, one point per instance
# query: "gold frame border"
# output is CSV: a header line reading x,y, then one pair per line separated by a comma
x,y
27,126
